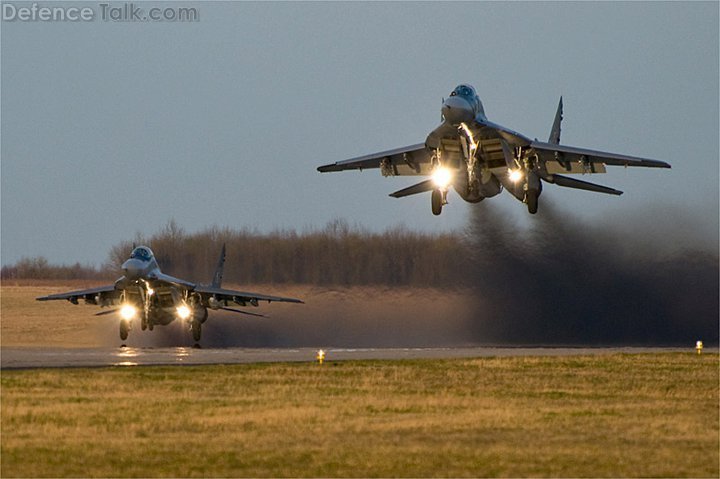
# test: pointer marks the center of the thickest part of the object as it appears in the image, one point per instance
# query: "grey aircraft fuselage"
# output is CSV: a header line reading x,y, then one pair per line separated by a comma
x,y
479,158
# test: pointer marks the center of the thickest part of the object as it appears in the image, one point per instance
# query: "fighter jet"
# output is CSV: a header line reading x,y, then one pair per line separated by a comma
x,y
159,299
479,158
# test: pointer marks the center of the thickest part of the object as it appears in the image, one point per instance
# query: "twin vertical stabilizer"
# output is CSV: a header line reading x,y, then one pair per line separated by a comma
x,y
555,131
218,276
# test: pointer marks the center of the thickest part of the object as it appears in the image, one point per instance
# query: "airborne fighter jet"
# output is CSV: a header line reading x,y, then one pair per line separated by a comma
x,y
159,299
479,158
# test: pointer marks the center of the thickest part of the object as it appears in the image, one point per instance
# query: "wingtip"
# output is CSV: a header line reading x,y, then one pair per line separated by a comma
x,y
661,164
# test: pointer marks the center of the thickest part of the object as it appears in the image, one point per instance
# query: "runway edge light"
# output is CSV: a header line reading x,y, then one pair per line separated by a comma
x,y
699,347
320,356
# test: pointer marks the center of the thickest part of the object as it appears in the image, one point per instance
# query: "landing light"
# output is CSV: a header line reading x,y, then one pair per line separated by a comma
x,y
515,175
183,312
128,312
442,177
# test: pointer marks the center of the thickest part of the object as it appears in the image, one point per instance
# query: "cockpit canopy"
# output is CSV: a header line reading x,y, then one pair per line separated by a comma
x,y
465,91
142,253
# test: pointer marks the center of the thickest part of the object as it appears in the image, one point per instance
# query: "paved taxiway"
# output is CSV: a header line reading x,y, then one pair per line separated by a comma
x,y
16,358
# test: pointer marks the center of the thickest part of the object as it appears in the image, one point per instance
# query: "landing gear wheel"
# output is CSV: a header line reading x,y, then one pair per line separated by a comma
x,y
143,324
531,198
437,202
124,328
196,328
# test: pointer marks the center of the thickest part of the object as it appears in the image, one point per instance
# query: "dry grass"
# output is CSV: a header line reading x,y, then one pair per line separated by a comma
x,y
26,322
620,415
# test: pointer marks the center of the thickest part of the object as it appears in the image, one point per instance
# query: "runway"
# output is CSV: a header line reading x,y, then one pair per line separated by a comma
x,y
27,358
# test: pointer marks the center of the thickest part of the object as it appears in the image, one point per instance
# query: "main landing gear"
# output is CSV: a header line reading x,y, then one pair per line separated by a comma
x,y
531,199
438,199
124,329
533,188
196,329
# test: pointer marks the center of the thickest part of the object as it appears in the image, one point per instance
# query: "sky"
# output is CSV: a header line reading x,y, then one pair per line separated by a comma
x,y
110,129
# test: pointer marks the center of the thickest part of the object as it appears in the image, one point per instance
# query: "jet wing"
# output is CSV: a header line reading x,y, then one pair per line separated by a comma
x,y
569,159
88,294
410,160
240,297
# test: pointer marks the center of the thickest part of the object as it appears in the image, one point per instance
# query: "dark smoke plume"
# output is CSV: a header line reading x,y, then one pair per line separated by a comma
x,y
561,281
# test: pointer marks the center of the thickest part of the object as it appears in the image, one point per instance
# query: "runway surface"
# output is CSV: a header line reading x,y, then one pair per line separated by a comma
x,y
24,358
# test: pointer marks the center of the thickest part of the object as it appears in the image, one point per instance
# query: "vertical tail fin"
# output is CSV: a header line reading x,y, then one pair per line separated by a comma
x,y
218,276
555,131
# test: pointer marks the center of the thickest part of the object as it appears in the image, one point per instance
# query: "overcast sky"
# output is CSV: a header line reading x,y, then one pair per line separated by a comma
x,y
110,129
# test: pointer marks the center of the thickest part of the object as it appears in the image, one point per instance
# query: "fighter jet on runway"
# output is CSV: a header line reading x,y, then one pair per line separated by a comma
x,y
479,158
159,299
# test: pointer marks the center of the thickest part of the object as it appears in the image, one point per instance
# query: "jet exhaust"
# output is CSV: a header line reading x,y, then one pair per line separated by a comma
x,y
563,281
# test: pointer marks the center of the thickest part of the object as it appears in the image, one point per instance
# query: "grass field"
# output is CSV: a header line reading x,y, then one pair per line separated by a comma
x,y
26,322
607,415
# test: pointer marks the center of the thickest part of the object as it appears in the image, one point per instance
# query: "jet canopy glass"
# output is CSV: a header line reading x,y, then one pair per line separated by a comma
x,y
141,253
465,91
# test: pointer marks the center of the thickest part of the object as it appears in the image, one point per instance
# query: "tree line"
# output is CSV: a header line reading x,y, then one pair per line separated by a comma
x,y
337,254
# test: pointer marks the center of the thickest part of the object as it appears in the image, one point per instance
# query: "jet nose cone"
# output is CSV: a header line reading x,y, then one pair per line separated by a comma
x,y
132,268
457,110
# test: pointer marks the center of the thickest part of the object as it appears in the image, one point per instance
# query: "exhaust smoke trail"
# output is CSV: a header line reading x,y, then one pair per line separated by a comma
x,y
562,281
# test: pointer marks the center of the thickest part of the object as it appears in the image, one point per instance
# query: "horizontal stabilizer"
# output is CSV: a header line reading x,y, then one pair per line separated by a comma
x,y
244,312
581,185
421,187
